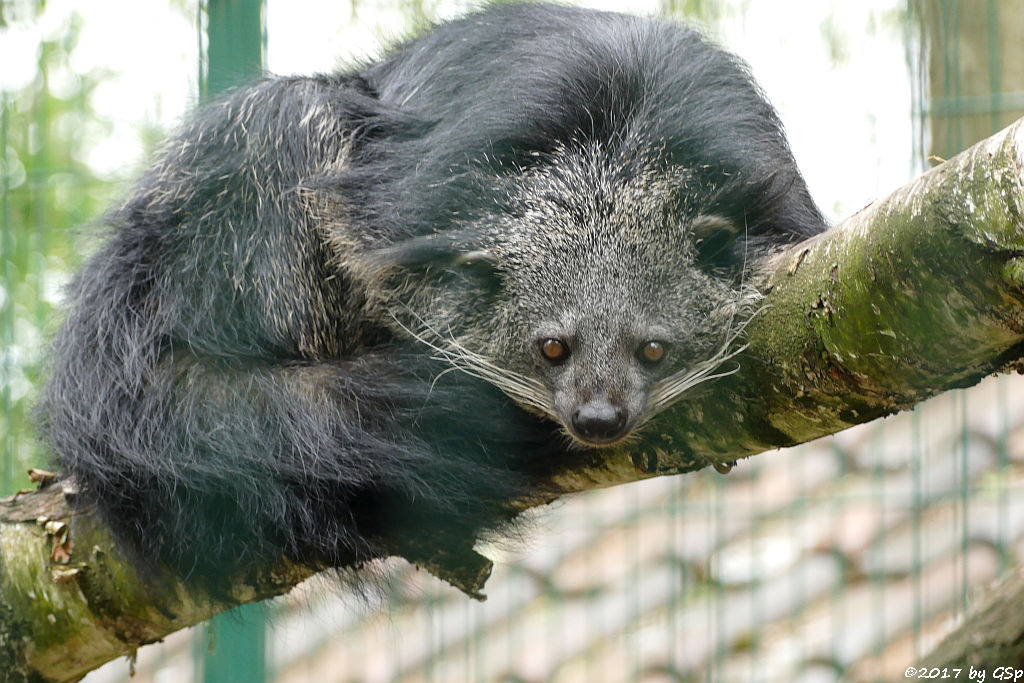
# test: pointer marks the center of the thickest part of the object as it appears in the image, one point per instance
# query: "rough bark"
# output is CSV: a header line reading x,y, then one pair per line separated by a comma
x,y
991,637
69,601
918,293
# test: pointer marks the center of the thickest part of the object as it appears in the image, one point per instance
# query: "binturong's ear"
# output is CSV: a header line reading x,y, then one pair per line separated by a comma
x,y
443,254
715,241
477,268
481,261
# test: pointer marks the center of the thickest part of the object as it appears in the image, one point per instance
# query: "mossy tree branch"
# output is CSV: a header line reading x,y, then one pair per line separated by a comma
x,y
70,601
918,293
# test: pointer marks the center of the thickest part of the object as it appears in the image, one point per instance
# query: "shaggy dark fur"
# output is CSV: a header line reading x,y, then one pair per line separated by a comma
x,y
247,368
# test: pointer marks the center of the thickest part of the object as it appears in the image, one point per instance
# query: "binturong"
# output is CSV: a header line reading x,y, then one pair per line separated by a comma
x,y
363,314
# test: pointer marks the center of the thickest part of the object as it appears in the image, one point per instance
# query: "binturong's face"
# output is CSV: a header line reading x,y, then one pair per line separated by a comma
x,y
596,291
610,310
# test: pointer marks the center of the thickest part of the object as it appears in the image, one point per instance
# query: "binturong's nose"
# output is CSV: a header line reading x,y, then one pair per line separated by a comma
x,y
599,421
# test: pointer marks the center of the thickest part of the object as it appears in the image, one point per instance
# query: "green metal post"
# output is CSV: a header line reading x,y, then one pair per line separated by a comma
x,y
234,644
235,42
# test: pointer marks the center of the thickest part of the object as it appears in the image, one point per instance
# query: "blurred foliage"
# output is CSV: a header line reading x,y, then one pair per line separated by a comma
x,y
18,10
705,12
46,190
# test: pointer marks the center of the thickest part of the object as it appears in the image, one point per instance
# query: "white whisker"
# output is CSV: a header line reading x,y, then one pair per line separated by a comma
x,y
521,388
668,390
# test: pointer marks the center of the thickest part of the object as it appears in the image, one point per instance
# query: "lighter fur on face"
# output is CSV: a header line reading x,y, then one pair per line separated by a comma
x,y
527,391
667,391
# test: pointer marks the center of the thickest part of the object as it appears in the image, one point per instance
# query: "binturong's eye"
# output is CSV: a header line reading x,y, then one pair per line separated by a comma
x,y
652,352
554,350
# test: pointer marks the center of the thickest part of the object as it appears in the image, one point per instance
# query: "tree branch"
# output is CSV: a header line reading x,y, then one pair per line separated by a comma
x,y
918,293
70,601
991,636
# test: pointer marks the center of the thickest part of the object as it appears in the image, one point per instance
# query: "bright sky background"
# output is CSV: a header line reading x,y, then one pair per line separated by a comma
x,y
848,119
